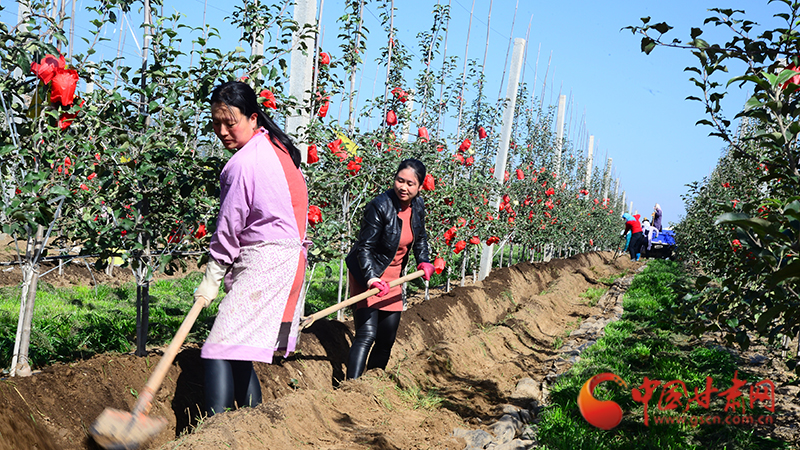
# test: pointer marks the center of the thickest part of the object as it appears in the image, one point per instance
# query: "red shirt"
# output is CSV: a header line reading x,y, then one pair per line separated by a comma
x,y
634,226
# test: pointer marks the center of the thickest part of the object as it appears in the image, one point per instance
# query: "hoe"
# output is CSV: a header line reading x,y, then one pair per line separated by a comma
x,y
121,430
307,321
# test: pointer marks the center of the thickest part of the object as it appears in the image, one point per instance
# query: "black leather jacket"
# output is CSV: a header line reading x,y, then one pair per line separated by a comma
x,y
380,236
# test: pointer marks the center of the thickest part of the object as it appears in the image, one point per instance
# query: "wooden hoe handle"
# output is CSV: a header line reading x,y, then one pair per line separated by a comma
x,y
307,321
154,382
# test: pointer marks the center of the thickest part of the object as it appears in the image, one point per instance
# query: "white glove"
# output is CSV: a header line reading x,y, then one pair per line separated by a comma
x,y
209,287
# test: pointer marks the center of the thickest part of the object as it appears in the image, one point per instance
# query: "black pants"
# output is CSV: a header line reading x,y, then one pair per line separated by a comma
x,y
644,241
636,244
372,326
227,381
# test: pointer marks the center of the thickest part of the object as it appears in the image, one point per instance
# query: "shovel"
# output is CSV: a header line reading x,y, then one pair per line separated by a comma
x,y
307,321
121,430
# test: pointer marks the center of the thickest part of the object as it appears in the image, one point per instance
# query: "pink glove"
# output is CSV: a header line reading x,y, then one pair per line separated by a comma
x,y
427,268
382,285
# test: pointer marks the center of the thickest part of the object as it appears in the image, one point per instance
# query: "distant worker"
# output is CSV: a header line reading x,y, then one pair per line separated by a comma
x,y
632,225
647,238
657,217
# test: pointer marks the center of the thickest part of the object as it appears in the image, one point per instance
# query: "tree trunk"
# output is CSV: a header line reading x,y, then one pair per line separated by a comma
x,y
30,274
474,265
339,314
142,317
464,267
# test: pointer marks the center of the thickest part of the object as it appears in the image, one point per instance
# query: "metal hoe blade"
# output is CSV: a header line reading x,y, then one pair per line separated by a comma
x,y
121,430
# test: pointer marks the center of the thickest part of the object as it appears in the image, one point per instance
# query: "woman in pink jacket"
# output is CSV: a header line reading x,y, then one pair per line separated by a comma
x,y
259,248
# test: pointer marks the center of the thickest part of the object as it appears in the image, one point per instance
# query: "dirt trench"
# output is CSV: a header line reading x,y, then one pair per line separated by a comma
x,y
463,351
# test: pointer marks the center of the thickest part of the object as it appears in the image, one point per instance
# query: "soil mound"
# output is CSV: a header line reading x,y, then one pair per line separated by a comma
x,y
457,360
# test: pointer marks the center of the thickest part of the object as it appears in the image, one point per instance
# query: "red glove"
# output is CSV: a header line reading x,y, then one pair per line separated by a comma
x,y
427,268
382,285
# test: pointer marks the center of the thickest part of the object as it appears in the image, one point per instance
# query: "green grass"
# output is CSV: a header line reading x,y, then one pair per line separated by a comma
x,y
609,280
592,295
634,348
419,399
324,288
74,323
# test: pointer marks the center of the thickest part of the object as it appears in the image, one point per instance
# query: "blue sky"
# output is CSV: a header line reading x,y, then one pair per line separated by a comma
x,y
634,105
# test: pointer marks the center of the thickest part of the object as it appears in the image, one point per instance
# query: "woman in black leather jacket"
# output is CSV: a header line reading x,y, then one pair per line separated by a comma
x,y
393,224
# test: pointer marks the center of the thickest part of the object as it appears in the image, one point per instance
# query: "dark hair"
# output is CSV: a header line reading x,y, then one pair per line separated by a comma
x,y
416,165
242,96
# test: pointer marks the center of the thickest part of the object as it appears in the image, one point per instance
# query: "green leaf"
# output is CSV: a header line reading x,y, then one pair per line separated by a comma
x,y
792,208
743,220
767,316
771,78
743,78
46,214
790,271
752,103
186,190
783,77
743,339
58,190
701,282
662,27
165,259
648,45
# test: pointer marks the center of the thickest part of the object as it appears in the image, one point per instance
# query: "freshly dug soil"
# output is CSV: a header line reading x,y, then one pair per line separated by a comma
x,y
463,351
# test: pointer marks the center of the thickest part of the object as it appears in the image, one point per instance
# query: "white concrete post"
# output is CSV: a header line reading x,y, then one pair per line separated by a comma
x,y
23,12
505,138
623,203
631,209
409,111
562,107
301,73
589,161
607,179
